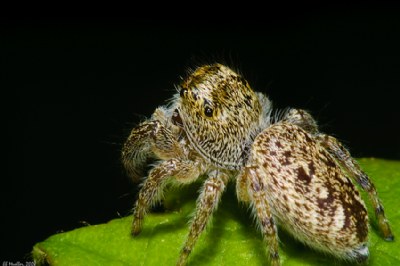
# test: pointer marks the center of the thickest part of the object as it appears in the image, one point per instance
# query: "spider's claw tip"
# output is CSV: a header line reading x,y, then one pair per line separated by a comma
x,y
389,238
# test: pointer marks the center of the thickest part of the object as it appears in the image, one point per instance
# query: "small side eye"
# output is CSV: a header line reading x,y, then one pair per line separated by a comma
x,y
208,111
183,92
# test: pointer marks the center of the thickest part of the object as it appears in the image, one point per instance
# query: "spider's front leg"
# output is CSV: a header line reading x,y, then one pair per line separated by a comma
x,y
151,192
206,204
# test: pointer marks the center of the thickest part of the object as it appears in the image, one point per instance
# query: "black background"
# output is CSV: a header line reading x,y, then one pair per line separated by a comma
x,y
79,85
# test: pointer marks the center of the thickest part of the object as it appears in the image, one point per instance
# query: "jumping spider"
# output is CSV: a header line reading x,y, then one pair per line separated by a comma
x,y
290,174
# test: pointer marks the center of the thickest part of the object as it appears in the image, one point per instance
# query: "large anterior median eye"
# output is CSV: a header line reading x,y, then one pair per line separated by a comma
x,y
208,111
183,92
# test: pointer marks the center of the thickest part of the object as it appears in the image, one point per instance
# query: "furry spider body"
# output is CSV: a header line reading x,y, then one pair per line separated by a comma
x,y
290,173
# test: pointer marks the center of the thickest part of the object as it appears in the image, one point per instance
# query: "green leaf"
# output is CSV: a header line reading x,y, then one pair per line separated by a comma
x,y
230,240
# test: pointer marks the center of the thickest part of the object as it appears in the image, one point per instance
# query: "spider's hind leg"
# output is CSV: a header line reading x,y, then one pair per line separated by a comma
x,y
342,155
302,119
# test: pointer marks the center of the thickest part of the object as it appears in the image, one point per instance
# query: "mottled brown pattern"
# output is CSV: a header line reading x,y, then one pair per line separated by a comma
x,y
217,127
312,172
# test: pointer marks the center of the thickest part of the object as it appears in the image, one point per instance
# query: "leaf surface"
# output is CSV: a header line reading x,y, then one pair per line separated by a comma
x,y
231,239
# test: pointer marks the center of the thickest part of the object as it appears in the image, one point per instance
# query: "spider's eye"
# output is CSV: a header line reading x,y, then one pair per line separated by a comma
x,y
183,92
208,111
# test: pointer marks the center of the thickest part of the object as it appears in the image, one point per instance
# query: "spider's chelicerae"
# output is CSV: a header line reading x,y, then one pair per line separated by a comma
x,y
290,174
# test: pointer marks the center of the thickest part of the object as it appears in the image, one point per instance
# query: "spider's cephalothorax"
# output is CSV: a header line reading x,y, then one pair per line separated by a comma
x,y
288,172
221,114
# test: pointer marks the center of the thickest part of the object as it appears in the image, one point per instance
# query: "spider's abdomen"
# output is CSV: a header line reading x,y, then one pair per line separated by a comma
x,y
309,193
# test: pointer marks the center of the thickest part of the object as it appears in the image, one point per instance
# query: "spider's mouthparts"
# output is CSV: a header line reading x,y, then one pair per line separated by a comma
x,y
176,119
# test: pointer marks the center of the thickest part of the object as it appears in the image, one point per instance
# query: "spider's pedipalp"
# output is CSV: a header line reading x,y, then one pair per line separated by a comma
x,y
152,138
137,149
